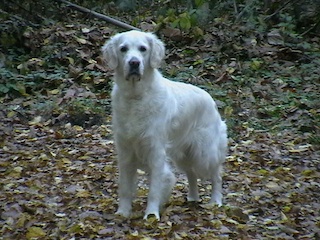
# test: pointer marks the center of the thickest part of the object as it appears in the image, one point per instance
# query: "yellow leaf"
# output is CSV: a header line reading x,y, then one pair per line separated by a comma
x,y
301,148
21,221
46,41
85,157
286,208
273,185
229,220
263,172
197,31
92,61
108,168
53,154
253,42
255,64
85,30
135,233
268,221
71,60
307,172
58,180
82,193
66,161
35,232
228,111
60,214
36,120
54,91
283,216
230,70
216,223
18,169
78,128
43,157
247,142
11,114
288,229
81,40
21,89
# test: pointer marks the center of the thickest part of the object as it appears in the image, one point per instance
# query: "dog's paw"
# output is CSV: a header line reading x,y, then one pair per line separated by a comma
x,y
219,204
193,198
152,215
216,199
123,213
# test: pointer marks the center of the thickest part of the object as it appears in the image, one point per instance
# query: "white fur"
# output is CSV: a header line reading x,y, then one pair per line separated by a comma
x,y
156,121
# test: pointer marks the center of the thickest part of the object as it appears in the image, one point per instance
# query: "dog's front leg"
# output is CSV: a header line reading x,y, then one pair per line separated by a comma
x,y
161,183
127,185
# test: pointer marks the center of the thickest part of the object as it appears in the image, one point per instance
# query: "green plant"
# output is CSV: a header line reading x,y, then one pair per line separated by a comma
x,y
86,111
10,83
187,20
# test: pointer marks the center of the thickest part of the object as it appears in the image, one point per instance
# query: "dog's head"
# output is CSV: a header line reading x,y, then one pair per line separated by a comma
x,y
132,53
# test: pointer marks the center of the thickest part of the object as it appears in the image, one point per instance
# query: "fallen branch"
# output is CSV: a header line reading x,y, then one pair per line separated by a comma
x,y
18,18
281,8
311,28
98,15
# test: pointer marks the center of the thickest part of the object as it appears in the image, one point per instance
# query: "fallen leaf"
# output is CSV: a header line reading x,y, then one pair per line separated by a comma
x,y
35,233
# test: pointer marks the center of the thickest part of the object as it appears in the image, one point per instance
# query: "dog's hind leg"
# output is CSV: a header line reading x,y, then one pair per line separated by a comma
x,y
193,194
216,180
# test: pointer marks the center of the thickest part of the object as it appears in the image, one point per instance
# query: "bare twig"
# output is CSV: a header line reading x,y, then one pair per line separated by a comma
x,y
98,15
235,7
311,28
242,12
18,18
285,5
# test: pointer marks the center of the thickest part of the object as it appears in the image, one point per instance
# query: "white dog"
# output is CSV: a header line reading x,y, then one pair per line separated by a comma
x,y
156,121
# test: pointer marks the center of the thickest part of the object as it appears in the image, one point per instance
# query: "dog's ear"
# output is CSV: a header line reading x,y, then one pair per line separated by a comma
x,y
157,51
109,53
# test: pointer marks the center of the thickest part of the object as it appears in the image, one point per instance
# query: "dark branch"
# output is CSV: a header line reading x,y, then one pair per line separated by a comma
x,y
98,15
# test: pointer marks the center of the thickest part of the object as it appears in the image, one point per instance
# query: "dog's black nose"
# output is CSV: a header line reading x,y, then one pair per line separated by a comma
x,y
134,62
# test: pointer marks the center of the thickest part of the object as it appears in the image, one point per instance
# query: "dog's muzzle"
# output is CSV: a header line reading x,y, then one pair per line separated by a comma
x,y
134,69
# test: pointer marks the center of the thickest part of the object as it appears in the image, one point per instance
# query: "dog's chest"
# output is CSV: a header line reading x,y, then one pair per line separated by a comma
x,y
133,118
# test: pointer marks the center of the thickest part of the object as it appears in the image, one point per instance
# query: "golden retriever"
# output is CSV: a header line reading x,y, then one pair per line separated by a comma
x,y
157,121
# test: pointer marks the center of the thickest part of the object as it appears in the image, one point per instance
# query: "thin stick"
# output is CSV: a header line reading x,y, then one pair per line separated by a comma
x,y
19,18
311,28
281,8
99,15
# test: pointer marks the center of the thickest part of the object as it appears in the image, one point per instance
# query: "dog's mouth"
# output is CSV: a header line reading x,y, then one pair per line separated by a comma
x,y
134,75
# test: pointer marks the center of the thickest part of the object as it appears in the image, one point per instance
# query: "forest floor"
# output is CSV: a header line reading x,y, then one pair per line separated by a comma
x,y
57,160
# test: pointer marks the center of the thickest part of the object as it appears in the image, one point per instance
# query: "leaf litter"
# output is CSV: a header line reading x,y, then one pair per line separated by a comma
x,y
59,175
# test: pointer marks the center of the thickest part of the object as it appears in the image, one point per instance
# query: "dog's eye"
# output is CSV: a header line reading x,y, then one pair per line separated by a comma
x,y
142,49
123,49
